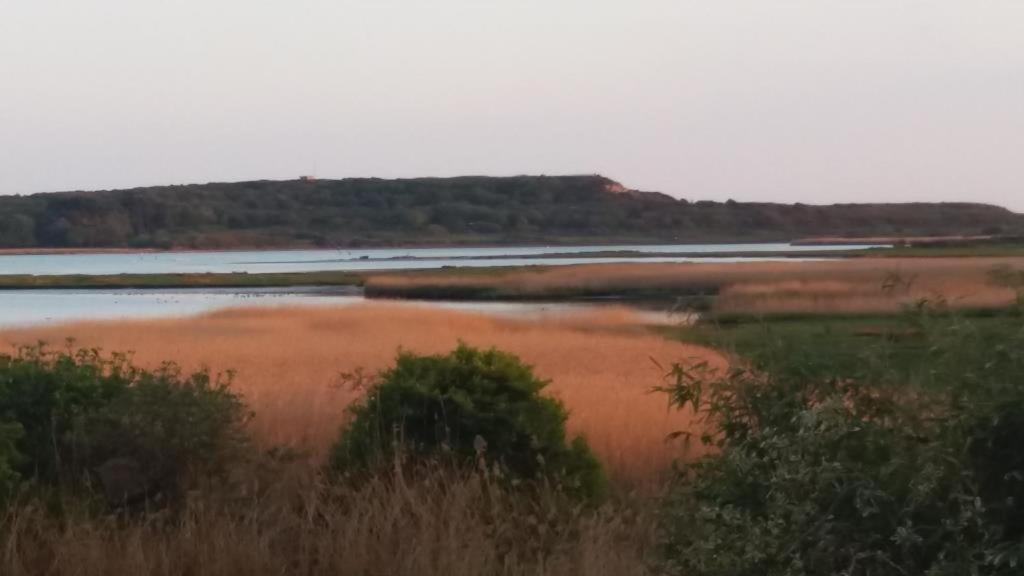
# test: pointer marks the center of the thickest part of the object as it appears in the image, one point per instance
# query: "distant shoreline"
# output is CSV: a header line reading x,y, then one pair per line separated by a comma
x,y
461,277
367,213
821,241
424,246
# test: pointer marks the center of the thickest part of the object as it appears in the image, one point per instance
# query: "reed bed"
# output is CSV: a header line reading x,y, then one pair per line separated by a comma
x,y
296,366
849,285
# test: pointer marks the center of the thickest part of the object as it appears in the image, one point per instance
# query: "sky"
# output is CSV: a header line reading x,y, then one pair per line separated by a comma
x,y
814,101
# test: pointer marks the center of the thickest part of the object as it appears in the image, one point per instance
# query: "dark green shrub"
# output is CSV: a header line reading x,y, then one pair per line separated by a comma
x,y
78,418
855,474
9,434
48,396
474,406
176,428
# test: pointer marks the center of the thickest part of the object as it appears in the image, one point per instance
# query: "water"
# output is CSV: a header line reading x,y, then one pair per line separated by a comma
x,y
34,307
257,261
20,308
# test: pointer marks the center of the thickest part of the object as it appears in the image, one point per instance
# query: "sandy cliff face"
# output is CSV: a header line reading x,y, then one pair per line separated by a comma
x,y
615,188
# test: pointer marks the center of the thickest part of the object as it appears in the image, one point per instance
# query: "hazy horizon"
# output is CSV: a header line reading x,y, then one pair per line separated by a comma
x,y
814,101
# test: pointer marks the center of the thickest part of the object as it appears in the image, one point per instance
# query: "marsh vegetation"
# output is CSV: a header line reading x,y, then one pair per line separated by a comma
x,y
865,443
863,285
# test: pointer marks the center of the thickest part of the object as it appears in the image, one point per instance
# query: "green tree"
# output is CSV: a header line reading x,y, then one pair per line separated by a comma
x,y
17,230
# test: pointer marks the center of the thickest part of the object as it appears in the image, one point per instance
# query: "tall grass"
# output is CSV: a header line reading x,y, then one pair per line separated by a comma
x,y
444,523
851,285
289,364
277,516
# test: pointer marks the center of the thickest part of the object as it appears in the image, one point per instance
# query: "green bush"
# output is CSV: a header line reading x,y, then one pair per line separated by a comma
x,y
9,434
476,406
858,474
77,419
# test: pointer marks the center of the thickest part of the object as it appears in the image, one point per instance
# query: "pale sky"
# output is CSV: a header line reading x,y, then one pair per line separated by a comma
x,y
814,101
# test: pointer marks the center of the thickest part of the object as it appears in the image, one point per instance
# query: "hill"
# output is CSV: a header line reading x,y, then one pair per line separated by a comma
x,y
521,209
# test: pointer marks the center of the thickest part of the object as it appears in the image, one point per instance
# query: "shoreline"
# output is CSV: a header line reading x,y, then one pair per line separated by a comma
x,y
635,279
567,243
618,250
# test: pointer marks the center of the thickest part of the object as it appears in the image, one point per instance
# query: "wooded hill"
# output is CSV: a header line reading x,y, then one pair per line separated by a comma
x,y
521,209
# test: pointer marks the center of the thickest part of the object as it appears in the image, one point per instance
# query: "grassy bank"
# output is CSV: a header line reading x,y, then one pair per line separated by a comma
x,y
852,286
850,345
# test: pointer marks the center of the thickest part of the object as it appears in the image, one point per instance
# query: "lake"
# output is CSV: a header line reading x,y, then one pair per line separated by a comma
x,y
257,261
30,307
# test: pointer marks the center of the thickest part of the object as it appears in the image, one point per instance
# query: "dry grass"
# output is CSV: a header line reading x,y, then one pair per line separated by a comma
x,y
851,285
445,524
871,286
288,363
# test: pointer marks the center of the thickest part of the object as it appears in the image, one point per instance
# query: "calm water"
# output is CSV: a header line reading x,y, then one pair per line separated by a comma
x,y
40,307
256,261
31,307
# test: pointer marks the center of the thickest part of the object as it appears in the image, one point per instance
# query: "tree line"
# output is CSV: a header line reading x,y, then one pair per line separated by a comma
x,y
376,212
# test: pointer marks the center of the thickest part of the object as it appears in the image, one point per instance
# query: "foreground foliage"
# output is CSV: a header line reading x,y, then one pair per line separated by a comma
x,y
438,522
475,406
905,462
77,421
423,513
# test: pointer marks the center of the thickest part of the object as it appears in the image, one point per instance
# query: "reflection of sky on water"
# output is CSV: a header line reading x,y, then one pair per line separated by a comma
x,y
35,307
380,259
26,307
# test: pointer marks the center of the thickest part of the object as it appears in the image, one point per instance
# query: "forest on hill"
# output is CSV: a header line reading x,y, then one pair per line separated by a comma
x,y
464,210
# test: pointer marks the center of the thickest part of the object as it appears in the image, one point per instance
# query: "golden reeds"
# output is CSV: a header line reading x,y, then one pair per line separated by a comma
x,y
849,285
289,362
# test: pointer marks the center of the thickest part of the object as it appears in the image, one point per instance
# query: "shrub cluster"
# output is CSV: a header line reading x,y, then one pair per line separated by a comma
x,y
77,420
473,406
858,475
82,423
